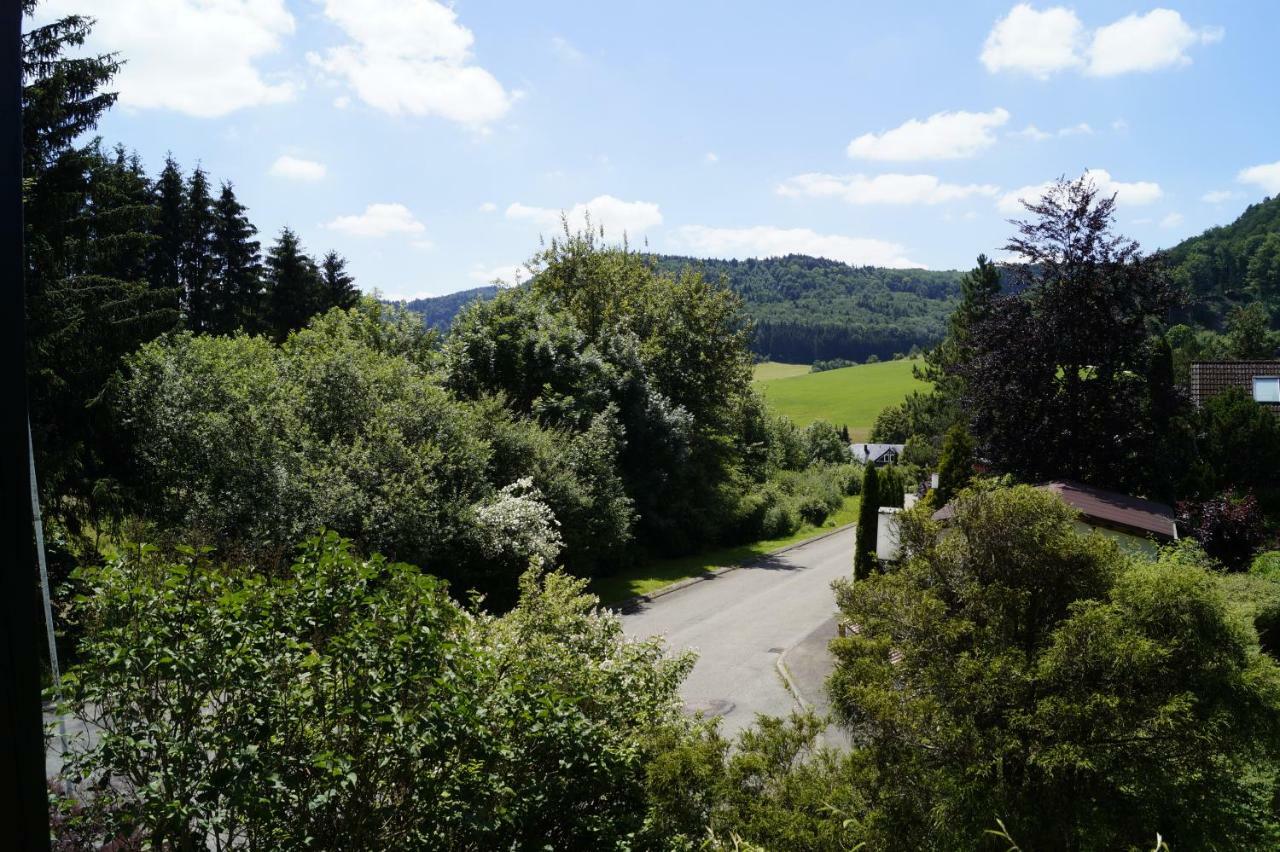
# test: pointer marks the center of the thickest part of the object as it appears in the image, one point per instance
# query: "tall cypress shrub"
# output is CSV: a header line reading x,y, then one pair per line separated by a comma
x,y
865,547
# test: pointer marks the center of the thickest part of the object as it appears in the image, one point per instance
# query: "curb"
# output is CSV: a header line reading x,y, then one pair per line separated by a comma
x,y
789,683
634,603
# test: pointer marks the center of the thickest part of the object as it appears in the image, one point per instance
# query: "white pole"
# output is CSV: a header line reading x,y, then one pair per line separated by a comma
x,y
38,522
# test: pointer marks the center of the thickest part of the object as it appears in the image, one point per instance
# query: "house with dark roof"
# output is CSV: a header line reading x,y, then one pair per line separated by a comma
x,y
1135,522
877,454
1259,379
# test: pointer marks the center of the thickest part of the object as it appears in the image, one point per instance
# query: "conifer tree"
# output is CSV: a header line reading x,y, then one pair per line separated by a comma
x,y
294,291
198,264
88,221
238,297
170,229
864,549
955,465
339,288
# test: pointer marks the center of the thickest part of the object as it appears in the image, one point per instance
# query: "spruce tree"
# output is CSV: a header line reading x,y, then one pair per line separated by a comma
x,y
294,292
198,265
237,294
955,465
339,288
87,216
170,230
864,548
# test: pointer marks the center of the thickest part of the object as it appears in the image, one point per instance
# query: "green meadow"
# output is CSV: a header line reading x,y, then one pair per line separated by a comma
x,y
851,396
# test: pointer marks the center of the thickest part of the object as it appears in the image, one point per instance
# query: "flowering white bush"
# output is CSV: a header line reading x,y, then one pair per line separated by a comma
x,y
515,524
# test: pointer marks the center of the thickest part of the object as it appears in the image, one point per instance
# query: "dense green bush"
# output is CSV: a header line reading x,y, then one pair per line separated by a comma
x,y
247,445
352,704
1015,668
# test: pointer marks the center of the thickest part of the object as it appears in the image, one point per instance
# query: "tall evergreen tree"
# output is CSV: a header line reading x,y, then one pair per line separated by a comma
x,y
955,466
864,551
198,265
339,288
170,229
87,218
294,291
237,301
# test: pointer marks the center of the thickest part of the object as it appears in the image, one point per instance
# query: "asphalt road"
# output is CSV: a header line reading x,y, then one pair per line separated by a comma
x,y
740,622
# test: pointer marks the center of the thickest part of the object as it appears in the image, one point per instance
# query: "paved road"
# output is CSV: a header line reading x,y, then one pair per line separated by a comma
x,y
741,621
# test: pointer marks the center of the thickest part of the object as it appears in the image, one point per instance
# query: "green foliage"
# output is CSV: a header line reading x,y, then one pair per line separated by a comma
x,y
864,558
351,704
1239,442
823,444
1231,265
245,445
833,364
1015,667
771,789
599,328
955,467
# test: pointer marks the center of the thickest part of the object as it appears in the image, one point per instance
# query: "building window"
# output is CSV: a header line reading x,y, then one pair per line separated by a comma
x,y
1266,388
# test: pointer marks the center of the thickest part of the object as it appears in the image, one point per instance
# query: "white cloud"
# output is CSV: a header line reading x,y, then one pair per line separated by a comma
x,y
768,241
1266,176
1171,220
411,56
615,215
1158,39
488,207
1036,43
1035,134
509,275
1218,196
564,48
378,220
193,56
711,158
1134,194
1044,43
941,136
296,168
882,189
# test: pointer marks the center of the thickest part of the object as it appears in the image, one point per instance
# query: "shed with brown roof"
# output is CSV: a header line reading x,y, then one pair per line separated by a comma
x,y
1110,510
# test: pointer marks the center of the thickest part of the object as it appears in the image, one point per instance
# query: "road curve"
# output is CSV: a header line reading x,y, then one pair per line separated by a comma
x,y
740,622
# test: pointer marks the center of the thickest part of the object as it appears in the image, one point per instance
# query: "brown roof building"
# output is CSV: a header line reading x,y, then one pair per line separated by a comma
x,y
1259,379
1110,510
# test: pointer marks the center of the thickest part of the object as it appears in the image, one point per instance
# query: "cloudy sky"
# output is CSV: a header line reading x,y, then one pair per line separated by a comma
x,y
433,144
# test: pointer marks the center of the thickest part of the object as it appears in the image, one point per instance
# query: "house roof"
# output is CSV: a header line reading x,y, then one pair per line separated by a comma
x,y
1210,378
873,452
1106,508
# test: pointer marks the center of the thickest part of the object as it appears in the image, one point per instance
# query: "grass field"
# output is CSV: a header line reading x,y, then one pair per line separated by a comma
x,y
663,572
851,396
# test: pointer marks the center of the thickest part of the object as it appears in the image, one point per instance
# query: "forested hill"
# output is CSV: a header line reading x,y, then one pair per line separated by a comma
x,y
438,311
808,308
805,308
1231,265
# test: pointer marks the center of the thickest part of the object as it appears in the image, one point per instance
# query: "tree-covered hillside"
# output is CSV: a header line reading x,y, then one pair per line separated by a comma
x,y
804,308
1231,265
438,311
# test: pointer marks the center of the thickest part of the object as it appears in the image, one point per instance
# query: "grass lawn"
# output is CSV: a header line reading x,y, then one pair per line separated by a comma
x,y
768,370
851,396
662,572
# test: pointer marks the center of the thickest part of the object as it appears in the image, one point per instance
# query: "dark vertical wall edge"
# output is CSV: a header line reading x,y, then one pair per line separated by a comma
x,y
24,816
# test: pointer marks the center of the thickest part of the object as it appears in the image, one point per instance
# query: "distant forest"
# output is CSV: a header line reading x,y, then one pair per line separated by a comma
x,y
1231,266
805,309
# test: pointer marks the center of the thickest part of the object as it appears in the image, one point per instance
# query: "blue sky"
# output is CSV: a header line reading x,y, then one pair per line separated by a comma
x,y
433,144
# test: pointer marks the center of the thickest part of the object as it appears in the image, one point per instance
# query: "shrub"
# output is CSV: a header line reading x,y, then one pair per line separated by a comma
x,y
1229,527
352,704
